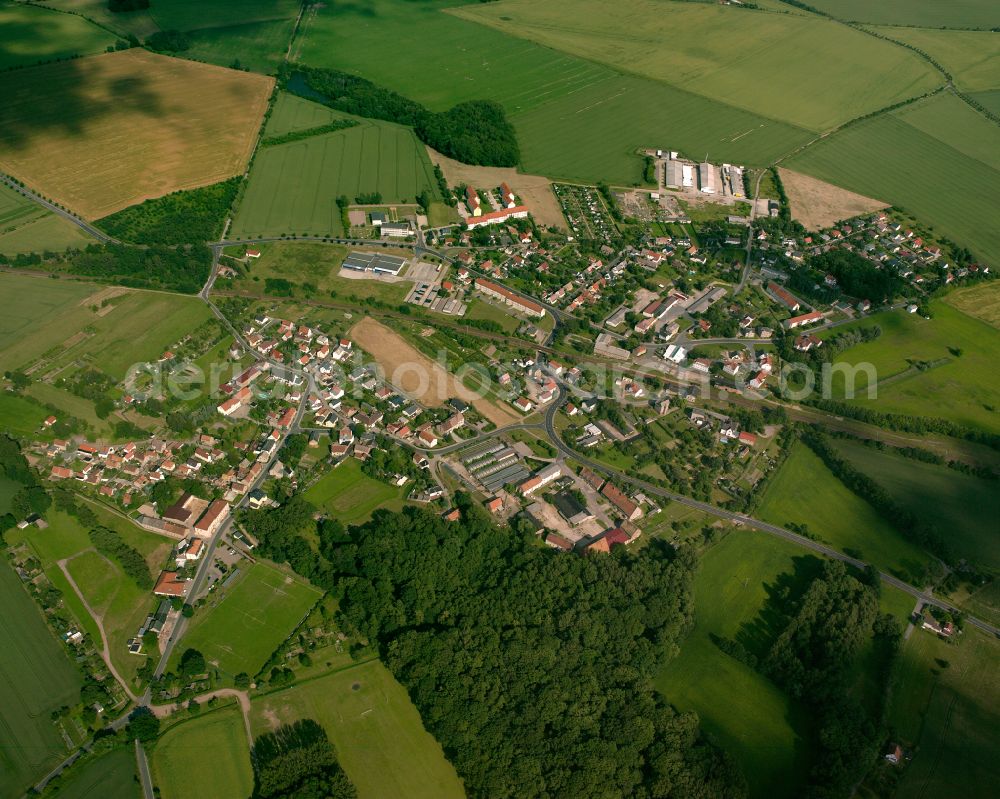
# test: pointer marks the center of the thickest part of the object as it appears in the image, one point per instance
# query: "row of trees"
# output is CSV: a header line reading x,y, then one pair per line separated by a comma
x,y
110,543
475,132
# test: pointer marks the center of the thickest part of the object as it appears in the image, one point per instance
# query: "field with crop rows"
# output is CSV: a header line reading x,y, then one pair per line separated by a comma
x,y
972,57
925,13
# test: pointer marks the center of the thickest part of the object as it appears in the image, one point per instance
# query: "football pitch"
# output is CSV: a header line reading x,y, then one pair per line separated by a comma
x,y
244,622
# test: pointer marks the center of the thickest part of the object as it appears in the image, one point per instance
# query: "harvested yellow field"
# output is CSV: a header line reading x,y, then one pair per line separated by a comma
x,y
101,133
415,374
817,204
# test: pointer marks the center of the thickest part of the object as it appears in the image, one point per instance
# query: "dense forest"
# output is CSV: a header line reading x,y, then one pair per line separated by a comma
x,y
856,277
183,269
475,132
297,761
183,217
533,669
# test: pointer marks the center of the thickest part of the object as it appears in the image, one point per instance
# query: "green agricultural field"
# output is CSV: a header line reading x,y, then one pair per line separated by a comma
x,y
972,57
110,776
38,678
32,34
56,320
965,509
804,491
961,384
946,704
187,15
47,232
244,622
952,189
21,416
292,113
701,56
981,301
210,751
258,46
294,187
925,13
989,100
348,494
553,98
743,712
380,740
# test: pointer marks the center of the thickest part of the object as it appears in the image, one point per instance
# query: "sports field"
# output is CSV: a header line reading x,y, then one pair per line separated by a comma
x,y
805,492
764,730
553,98
960,382
946,702
55,321
925,13
110,776
348,494
294,187
972,57
37,678
380,740
243,623
958,151
700,54
210,751
32,34
101,133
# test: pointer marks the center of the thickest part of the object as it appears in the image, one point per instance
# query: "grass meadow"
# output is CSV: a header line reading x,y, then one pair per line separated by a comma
x,y
292,113
957,151
380,739
552,98
32,34
764,730
257,46
110,776
21,416
293,187
805,492
924,13
38,678
701,58
348,494
989,100
98,134
946,704
243,623
964,508
972,57
487,311
187,15
963,387
209,751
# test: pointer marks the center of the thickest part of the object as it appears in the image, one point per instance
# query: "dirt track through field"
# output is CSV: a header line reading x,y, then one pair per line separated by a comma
x,y
817,204
534,190
414,373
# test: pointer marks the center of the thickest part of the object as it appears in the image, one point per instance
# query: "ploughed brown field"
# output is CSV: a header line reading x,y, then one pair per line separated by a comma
x,y
818,204
98,134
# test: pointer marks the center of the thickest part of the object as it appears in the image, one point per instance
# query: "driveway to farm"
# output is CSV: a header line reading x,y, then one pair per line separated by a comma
x,y
106,651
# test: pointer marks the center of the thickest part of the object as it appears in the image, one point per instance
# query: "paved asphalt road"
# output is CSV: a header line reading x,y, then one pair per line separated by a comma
x,y
144,776
93,231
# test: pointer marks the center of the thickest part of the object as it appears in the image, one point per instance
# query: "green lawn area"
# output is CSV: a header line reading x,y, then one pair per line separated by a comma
x,y
33,34
764,730
964,389
348,494
958,148
244,623
381,741
965,509
293,187
110,776
208,754
804,491
629,36
480,309
946,704
38,677
115,597
21,416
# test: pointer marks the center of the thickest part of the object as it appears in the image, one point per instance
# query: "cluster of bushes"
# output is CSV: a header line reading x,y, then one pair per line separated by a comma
x,y
475,132
109,543
168,42
183,217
